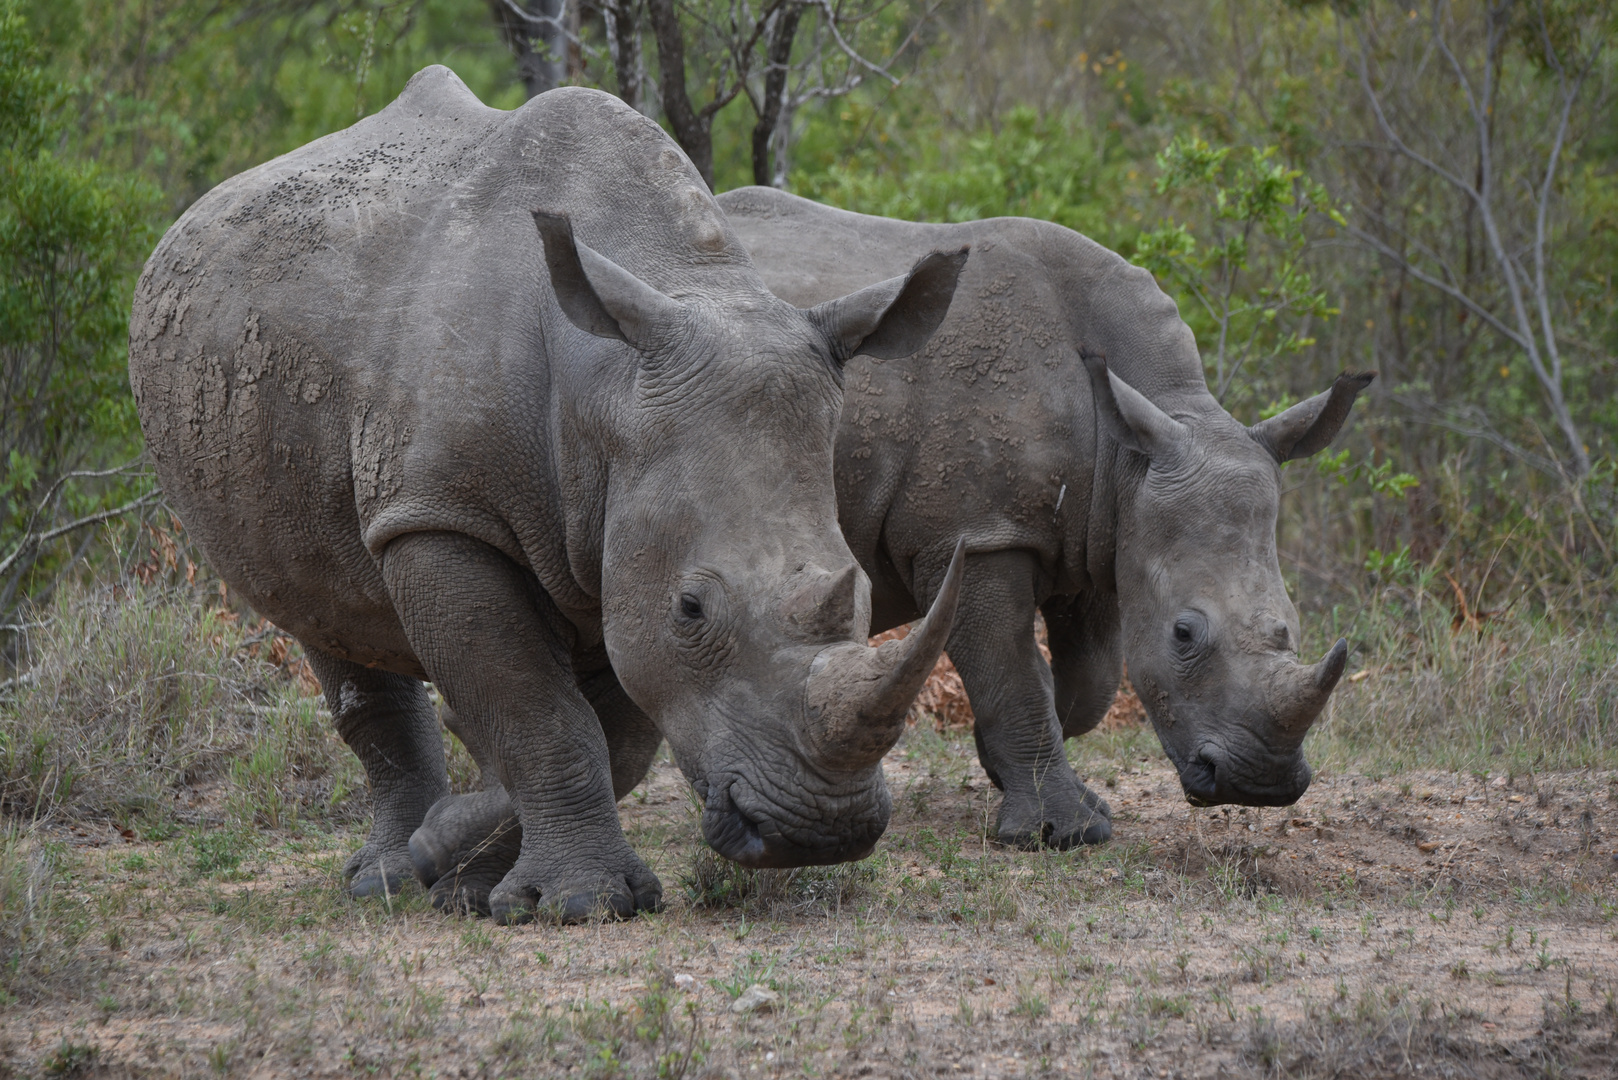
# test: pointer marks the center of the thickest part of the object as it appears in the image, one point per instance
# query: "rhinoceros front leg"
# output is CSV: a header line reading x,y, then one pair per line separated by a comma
x,y
469,842
389,723
1019,740
495,646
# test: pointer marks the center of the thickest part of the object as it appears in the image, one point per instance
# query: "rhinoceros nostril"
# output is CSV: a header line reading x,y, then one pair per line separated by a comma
x,y
741,815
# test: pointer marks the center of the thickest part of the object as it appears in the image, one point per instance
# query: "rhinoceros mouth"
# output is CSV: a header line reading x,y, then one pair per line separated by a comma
x,y
1210,779
752,840
728,831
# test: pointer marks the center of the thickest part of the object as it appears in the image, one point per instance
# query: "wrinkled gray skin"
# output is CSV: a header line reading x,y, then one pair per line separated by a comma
x,y
1126,505
583,486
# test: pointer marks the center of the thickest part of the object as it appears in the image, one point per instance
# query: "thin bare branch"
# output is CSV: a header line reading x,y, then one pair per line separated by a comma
x,y
849,50
1481,105
33,540
1395,143
550,22
1423,412
79,474
1460,297
1553,162
1442,44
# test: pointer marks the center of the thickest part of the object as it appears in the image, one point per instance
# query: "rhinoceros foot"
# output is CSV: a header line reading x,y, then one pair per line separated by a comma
x,y
619,890
468,850
375,870
461,827
465,889
464,848
1057,816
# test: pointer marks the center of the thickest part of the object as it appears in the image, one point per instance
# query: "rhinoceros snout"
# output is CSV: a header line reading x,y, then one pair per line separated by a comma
x,y
1212,779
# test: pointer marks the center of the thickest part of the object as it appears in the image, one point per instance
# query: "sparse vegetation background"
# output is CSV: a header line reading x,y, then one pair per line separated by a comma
x,y
1430,191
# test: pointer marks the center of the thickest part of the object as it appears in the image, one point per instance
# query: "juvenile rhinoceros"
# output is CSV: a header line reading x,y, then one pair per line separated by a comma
x,y
578,475
1125,504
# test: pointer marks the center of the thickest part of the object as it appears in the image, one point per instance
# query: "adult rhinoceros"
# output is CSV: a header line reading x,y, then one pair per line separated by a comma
x,y
1125,504
565,482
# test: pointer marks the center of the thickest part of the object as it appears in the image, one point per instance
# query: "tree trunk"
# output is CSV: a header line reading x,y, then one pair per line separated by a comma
x,y
779,59
533,30
693,131
574,21
623,39
783,145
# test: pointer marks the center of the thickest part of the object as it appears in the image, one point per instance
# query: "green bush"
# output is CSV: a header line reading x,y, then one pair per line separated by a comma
x,y
71,238
1052,167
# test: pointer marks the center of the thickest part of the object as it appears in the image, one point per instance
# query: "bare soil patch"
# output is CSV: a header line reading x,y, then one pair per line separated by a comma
x,y
1414,925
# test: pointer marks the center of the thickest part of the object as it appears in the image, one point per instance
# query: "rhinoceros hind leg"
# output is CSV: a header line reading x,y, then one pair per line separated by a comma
x,y
1019,740
465,847
389,723
632,738
1087,658
1087,662
498,650
1087,796
460,828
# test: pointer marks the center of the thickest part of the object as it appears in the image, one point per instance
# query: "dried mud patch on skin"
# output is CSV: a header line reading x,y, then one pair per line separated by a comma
x,y
1315,941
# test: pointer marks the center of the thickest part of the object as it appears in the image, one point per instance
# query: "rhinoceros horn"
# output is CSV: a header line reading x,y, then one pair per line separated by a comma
x,y
857,696
1304,688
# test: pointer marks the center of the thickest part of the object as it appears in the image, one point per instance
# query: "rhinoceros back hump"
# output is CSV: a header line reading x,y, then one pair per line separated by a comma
x,y
358,339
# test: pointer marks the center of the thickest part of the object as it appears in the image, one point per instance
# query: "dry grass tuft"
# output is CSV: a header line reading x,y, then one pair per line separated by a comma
x,y
1513,695
38,936
715,884
133,694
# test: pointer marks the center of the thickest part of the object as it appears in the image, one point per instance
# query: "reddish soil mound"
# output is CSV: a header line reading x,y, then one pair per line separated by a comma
x,y
944,699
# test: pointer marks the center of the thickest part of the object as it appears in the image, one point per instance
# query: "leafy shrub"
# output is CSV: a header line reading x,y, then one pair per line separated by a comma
x,y
71,237
1050,167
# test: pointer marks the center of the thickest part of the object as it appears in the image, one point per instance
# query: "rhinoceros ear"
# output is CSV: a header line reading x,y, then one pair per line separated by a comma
x,y
892,318
1310,426
1126,414
599,296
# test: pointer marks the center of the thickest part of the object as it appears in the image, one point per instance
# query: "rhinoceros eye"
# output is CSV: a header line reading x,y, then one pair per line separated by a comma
x,y
690,607
1190,633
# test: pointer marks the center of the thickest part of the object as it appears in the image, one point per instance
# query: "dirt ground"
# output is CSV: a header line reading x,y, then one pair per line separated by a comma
x,y
1410,925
